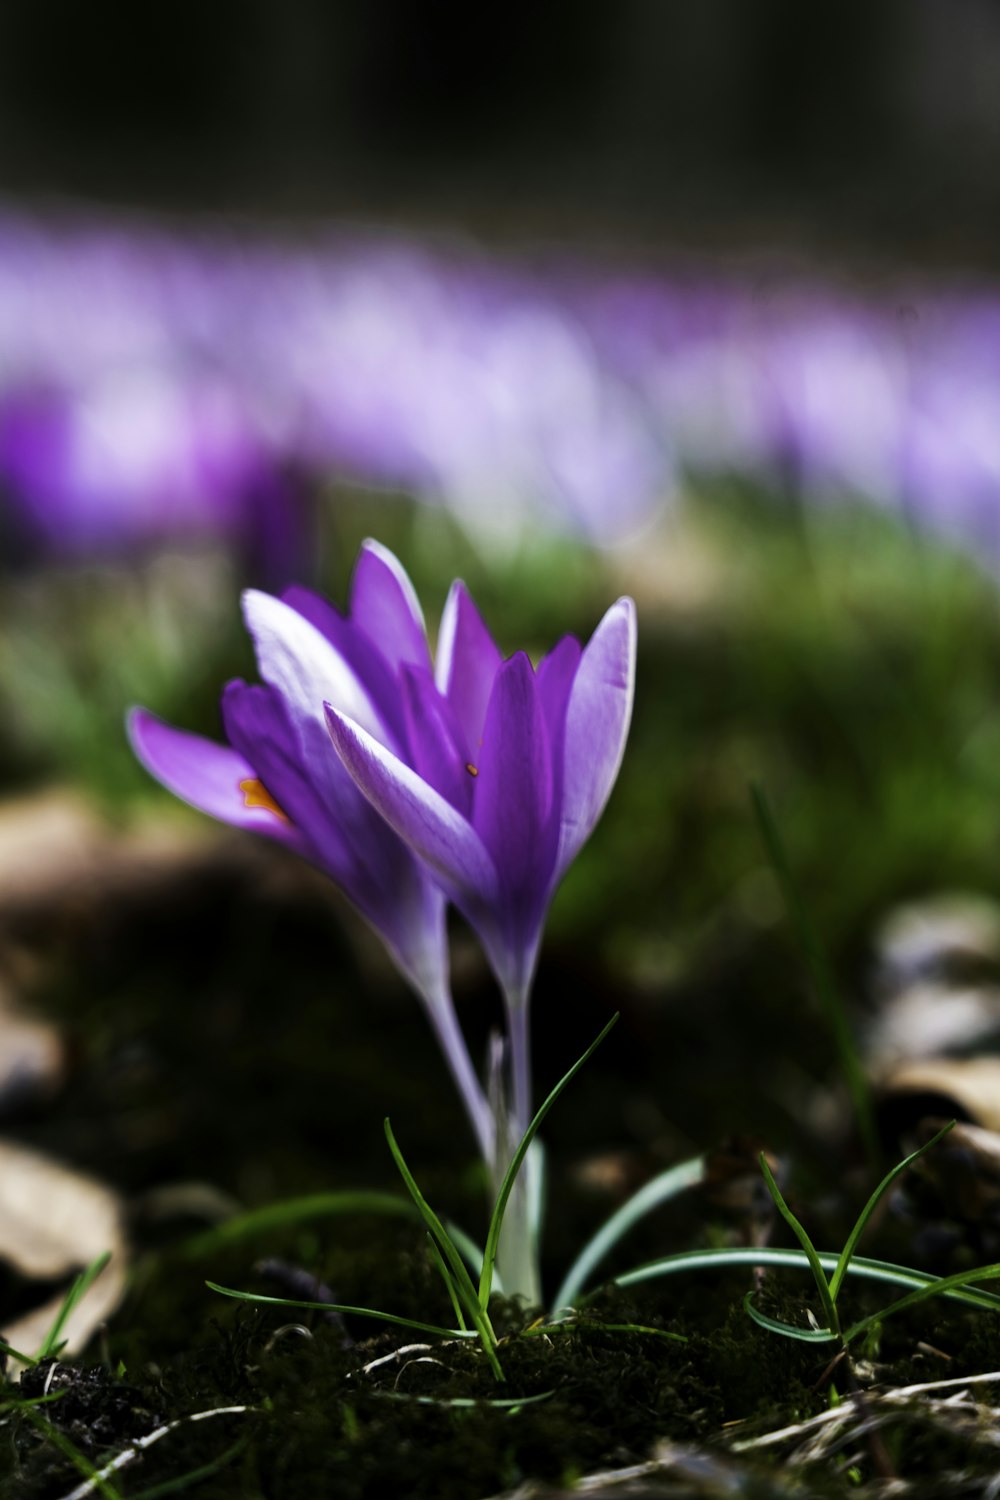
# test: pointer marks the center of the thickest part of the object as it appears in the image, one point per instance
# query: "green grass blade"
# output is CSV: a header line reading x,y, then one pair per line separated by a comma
x,y
836,1280
861,1266
812,1256
12,1353
292,1211
788,1330
80,1287
943,1286
884,1270
470,1252
448,1280
462,1280
342,1307
510,1176
17,1403
820,974
660,1190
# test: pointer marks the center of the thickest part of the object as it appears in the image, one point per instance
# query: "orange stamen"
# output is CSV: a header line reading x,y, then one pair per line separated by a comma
x,y
472,770
256,794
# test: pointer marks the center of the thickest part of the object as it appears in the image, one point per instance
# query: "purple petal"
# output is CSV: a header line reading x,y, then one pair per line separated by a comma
x,y
467,662
206,775
597,722
513,797
332,817
437,749
555,675
306,669
343,834
385,606
431,827
358,650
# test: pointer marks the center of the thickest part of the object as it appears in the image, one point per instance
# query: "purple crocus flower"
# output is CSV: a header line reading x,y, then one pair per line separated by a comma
x,y
511,767
279,775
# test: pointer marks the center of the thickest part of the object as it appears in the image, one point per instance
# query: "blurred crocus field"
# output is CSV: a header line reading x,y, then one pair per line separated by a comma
x,y
792,900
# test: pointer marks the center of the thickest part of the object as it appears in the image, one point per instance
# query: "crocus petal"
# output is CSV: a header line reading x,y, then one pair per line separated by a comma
x,y
206,775
428,824
385,606
358,650
334,820
555,675
467,662
597,721
304,667
513,797
437,749
345,836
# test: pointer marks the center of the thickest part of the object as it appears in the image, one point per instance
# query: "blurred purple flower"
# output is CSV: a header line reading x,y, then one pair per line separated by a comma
x,y
143,461
156,384
279,775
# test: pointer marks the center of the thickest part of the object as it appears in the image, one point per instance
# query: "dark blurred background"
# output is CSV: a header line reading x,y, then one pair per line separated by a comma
x,y
829,125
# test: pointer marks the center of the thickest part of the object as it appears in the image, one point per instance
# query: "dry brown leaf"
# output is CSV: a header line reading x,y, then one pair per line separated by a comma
x,y
54,1221
971,1084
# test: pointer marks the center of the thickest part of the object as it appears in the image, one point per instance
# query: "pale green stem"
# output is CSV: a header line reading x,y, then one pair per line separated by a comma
x,y
519,1034
517,1256
441,1010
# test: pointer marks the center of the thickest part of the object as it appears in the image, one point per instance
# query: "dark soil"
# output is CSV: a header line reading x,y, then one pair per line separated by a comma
x,y
209,1066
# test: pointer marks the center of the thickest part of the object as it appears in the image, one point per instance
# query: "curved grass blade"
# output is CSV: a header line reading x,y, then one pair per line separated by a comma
x,y
659,1190
292,1211
861,1266
17,1403
819,973
836,1280
342,1307
812,1256
10,1352
933,1287
510,1176
788,1330
944,1286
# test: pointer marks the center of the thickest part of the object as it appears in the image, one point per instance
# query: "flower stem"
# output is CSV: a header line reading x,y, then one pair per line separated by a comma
x,y
441,1010
520,1065
517,1256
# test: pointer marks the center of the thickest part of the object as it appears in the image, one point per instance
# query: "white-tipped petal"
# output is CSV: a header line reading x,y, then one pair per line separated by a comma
x,y
429,825
597,723
303,666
